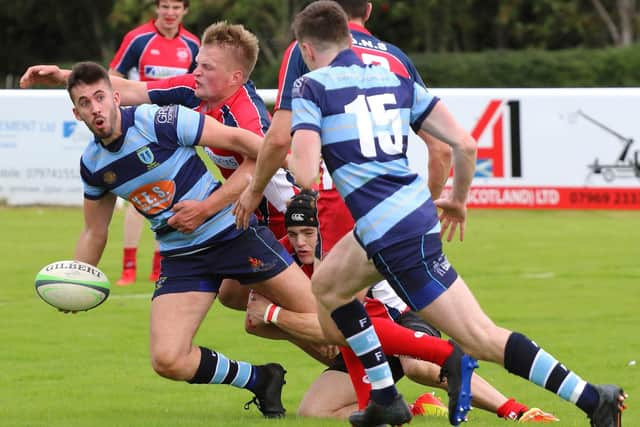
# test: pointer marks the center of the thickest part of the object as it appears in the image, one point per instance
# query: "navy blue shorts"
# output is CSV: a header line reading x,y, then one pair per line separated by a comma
x,y
255,255
416,269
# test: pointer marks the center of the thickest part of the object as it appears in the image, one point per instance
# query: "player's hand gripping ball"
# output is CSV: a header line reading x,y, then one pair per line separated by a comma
x,y
72,285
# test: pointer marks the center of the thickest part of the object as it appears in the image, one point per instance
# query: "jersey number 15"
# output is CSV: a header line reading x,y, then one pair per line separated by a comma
x,y
375,120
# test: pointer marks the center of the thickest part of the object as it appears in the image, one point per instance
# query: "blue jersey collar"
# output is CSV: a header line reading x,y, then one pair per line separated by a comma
x,y
345,58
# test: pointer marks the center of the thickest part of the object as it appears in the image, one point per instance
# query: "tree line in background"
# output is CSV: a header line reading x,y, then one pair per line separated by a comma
x,y
48,31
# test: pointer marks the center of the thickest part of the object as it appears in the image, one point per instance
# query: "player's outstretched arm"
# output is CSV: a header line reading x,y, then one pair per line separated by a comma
x,y
238,140
443,125
304,326
439,163
132,92
93,239
49,75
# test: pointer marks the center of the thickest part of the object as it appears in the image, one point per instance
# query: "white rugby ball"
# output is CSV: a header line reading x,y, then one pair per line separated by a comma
x,y
72,285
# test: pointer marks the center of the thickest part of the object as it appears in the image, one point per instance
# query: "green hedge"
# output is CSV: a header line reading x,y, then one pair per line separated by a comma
x,y
611,67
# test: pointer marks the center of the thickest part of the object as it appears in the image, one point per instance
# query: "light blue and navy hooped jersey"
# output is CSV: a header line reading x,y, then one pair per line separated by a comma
x,y
363,114
154,165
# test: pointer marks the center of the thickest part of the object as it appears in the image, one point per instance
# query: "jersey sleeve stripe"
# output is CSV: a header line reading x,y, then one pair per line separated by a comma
x,y
260,112
421,118
286,77
127,58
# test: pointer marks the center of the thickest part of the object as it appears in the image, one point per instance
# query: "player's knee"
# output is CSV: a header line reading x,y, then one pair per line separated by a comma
x,y
323,290
233,297
168,364
305,410
318,286
232,302
484,342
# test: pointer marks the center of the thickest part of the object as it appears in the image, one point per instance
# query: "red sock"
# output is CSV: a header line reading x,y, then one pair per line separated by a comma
x,y
357,374
398,340
129,259
155,264
511,409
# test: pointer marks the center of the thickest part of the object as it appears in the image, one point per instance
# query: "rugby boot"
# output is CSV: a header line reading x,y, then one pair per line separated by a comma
x,y
268,393
429,405
128,277
536,415
608,413
458,369
375,414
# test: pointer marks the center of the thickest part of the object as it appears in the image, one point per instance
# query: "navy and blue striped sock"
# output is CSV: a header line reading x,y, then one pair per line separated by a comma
x,y
354,323
526,359
216,368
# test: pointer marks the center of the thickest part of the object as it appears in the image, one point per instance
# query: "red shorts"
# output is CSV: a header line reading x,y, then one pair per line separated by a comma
x,y
334,218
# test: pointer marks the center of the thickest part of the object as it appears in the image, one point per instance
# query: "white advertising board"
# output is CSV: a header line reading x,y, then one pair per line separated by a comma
x,y
538,148
40,147
552,148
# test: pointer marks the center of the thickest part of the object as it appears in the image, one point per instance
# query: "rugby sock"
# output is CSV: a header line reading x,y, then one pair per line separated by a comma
x,y
511,409
357,375
216,368
399,340
155,263
525,358
355,325
129,259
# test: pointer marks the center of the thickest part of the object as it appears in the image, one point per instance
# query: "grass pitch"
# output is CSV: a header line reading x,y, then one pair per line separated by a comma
x,y
569,280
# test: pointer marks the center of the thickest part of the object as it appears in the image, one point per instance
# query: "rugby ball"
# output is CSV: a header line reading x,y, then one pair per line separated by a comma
x,y
72,285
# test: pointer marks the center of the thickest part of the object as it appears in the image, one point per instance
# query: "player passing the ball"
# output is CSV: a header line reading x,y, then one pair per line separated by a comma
x,y
155,50
147,155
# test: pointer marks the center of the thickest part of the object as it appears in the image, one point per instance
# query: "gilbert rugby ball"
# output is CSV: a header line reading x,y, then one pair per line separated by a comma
x,y
72,285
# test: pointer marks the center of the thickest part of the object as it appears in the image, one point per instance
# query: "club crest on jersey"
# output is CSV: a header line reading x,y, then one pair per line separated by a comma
x,y
182,54
146,156
109,177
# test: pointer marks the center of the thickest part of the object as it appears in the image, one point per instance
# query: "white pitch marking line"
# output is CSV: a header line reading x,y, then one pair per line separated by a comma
x,y
130,296
541,275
